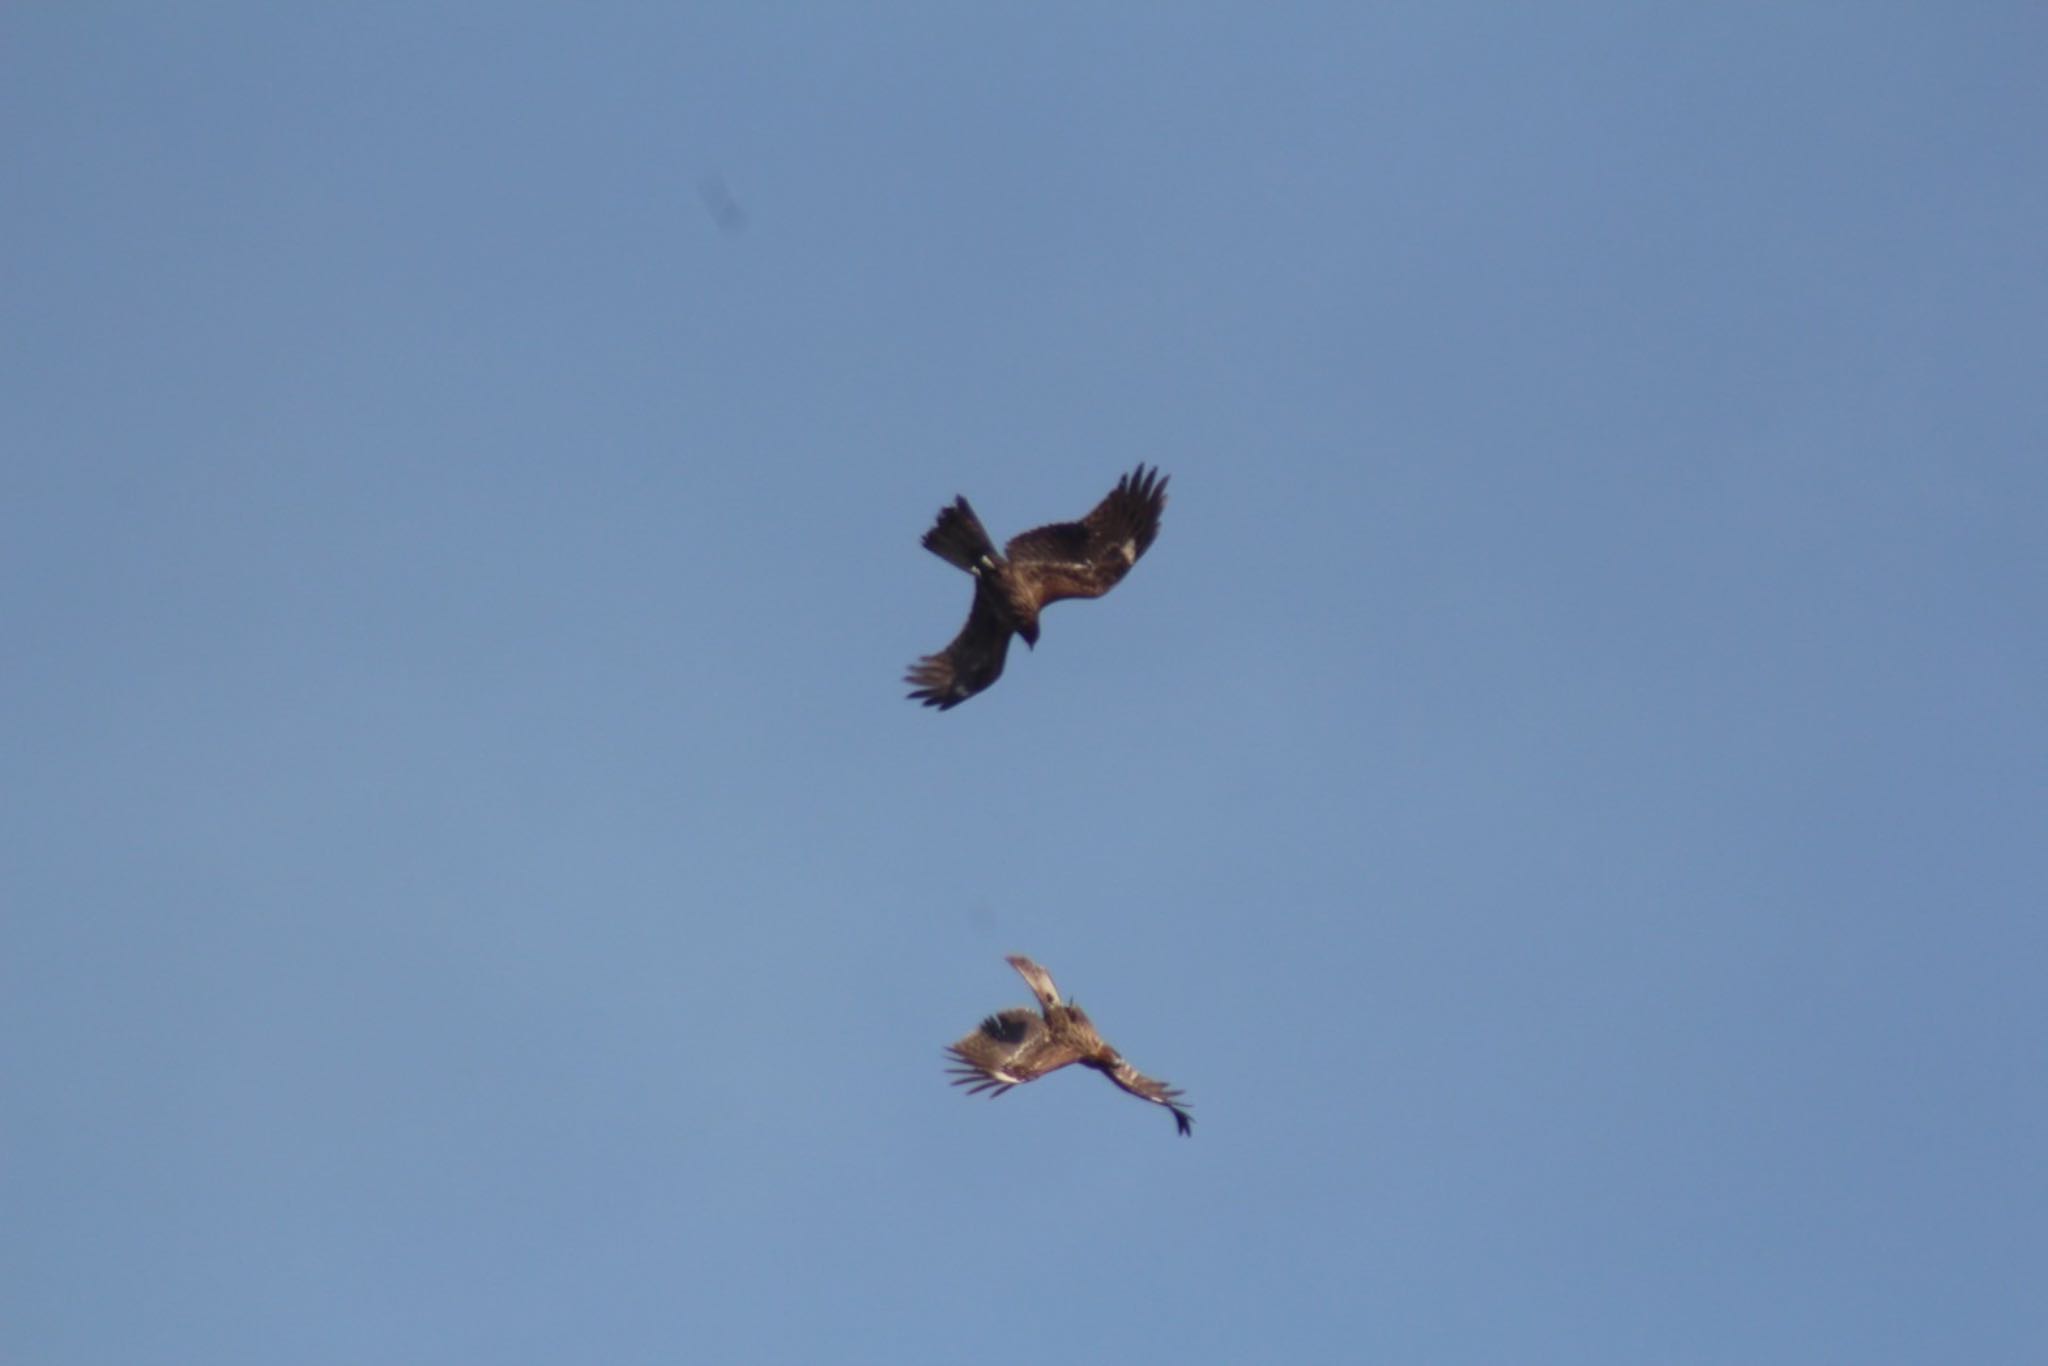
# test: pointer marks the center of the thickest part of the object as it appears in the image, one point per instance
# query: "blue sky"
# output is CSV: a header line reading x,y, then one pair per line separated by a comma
x,y
1566,795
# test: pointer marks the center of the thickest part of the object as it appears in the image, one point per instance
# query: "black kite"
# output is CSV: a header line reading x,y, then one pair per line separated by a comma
x,y
1083,559
1016,1046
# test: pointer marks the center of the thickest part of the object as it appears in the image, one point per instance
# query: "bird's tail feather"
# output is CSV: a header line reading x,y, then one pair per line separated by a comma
x,y
958,537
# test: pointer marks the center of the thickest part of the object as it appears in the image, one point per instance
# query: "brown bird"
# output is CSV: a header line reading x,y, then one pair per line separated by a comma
x,y
1016,1046
1083,559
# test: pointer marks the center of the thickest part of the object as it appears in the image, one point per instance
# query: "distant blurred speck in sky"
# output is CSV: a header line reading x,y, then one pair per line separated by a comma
x,y
719,203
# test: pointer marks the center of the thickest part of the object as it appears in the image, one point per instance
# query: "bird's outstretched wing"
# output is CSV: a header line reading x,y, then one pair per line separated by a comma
x,y
972,662
1037,978
1147,1088
1010,1048
1086,559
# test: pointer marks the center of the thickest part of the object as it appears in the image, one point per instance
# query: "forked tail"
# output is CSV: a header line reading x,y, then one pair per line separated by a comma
x,y
959,539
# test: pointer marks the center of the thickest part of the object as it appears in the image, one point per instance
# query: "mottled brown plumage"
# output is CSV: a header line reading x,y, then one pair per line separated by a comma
x,y
1083,559
1015,1046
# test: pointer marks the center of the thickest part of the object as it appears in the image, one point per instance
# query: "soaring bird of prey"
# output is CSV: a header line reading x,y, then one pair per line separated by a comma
x,y
1083,559
1015,1046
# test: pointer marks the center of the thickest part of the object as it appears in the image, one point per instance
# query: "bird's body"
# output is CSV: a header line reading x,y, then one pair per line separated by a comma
x,y
1018,1045
1083,559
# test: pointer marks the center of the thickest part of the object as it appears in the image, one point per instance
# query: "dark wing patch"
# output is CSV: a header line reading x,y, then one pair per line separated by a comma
x,y
1086,559
994,1057
971,663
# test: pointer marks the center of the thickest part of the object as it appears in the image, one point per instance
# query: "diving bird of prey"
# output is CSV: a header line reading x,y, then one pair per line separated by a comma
x,y
1015,1046
1083,559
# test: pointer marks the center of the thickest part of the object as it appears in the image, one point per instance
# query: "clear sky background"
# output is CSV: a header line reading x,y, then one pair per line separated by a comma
x,y
1566,795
